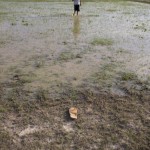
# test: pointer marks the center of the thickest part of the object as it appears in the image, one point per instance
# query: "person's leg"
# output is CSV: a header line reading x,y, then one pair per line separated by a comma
x,y
78,9
75,10
73,13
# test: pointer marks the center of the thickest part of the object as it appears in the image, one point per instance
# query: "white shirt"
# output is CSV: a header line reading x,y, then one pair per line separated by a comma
x,y
76,2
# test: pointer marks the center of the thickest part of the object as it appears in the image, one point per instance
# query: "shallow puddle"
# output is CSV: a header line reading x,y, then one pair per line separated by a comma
x,y
46,39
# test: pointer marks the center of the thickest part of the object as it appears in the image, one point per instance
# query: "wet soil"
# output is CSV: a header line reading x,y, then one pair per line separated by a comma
x,y
98,61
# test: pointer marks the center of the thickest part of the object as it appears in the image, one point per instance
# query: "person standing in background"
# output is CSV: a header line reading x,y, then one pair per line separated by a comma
x,y
77,4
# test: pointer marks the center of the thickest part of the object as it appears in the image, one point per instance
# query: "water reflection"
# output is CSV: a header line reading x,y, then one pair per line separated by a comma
x,y
76,26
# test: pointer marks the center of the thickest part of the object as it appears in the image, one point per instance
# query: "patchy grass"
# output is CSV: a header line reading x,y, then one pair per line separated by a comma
x,y
2,43
41,95
2,109
17,78
111,10
25,24
37,61
101,76
141,27
13,24
127,13
104,120
126,76
6,141
93,15
102,42
65,56
122,51
105,75
143,1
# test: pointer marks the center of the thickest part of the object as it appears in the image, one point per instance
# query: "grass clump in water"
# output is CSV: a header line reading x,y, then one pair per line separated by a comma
x,y
126,76
65,56
102,42
111,10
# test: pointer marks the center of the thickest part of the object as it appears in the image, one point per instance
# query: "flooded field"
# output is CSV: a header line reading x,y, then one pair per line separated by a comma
x,y
98,61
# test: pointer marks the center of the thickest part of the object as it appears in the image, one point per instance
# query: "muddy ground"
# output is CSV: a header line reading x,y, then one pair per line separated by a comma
x,y
98,62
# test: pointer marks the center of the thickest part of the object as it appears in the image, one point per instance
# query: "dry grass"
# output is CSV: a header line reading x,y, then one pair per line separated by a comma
x,y
105,121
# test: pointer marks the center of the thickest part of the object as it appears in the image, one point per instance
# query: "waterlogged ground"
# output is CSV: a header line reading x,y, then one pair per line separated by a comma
x,y
98,61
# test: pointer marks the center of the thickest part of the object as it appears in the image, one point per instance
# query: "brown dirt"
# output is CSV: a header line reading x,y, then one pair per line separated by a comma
x,y
105,120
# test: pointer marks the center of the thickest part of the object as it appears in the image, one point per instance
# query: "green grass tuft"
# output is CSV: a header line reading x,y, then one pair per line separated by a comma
x,y
65,56
126,76
102,42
